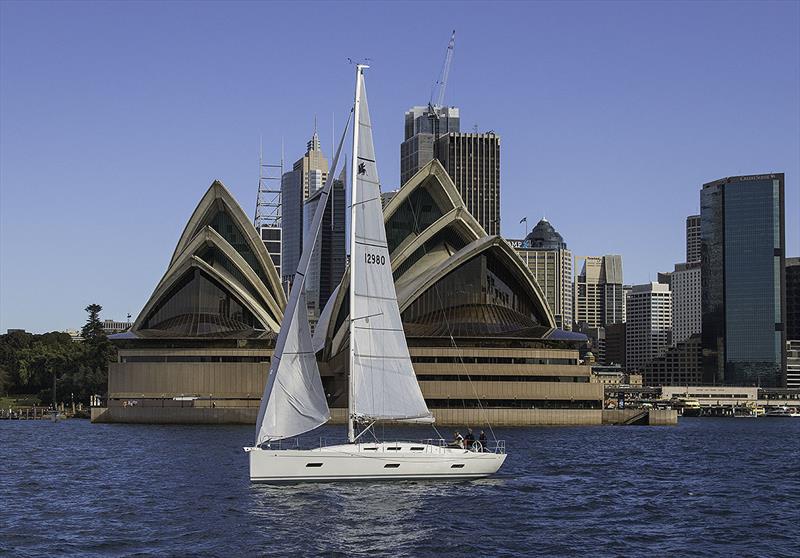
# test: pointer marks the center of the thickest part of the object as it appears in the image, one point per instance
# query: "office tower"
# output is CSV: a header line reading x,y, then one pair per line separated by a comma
x,y
473,163
693,238
793,299
308,175
686,314
793,364
291,225
743,281
647,331
386,197
793,322
326,267
472,160
615,344
545,253
680,365
598,292
423,127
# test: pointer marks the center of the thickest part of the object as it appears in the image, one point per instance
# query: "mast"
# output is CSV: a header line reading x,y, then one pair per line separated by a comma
x,y
351,434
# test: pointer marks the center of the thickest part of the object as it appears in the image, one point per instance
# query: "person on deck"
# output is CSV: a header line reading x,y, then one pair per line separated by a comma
x,y
470,439
458,441
482,439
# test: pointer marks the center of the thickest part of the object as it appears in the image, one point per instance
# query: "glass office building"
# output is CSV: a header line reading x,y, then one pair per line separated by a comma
x,y
743,281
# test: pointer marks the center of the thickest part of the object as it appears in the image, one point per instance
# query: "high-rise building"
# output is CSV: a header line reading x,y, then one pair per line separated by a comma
x,y
615,344
743,281
308,175
678,366
793,299
647,331
793,322
473,163
693,238
423,127
545,253
686,314
598,293
327,264
471,159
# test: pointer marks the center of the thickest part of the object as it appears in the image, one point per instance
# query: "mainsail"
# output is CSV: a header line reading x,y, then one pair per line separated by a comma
x,y
294,400
382,380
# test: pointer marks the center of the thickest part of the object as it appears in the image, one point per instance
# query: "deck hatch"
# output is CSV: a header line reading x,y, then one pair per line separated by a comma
x,y
313,464
417,448
391,466
457,466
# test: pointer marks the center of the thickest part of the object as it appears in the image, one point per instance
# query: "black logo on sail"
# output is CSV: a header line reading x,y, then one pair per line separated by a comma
x,y
362,168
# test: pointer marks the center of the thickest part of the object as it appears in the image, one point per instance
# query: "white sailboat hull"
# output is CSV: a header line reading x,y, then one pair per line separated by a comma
x,y
372,461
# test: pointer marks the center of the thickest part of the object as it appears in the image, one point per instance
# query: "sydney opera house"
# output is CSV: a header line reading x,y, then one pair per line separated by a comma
x,y
482,338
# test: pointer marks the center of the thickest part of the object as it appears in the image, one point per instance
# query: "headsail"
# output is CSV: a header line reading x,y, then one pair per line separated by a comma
x,y
294,401
382,380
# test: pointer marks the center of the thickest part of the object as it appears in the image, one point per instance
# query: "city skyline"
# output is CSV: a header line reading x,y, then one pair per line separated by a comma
x,y
90,155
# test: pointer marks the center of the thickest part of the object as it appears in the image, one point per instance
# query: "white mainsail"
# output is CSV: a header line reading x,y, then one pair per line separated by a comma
x,y
382,380
294,400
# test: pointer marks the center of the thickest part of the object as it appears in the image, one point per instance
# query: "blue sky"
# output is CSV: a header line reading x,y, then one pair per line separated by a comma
x,y
116,117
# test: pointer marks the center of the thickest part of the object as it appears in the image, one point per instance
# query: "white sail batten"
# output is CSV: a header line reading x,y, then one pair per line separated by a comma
x,y
382,380
294,400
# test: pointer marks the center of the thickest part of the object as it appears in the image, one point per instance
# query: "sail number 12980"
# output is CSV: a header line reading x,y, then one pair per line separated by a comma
x,y
376,259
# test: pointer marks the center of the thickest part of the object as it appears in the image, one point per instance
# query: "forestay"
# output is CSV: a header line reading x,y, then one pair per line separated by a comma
x,y
294,400
383,383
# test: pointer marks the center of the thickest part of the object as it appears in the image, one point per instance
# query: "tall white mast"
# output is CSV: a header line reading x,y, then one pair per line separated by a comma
x,y
351,434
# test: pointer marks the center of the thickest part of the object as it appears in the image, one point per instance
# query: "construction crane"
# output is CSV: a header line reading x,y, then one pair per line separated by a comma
x,y
442,81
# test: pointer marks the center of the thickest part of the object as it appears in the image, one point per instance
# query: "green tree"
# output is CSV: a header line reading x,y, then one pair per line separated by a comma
x,y
93,329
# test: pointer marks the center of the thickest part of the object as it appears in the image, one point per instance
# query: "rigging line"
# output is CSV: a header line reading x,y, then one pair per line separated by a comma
x,y
450,332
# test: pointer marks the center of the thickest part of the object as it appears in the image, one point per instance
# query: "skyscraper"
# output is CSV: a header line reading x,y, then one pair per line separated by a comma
x,y
793,299
545,253
423,127
693,238
308,175
598,298
743,280
647,331
472,160
327,264
686,313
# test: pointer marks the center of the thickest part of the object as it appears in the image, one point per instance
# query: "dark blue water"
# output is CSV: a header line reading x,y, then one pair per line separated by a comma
x,y
707,487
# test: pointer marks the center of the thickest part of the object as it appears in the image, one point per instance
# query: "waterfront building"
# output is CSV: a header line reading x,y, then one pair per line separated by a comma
x,y
308,175
423,128
647,331
546,255
386,197
793,364
615,344
693,238
471,311
199,350
743,281
680,365
686,310
326,267
793,299
112,326
598,293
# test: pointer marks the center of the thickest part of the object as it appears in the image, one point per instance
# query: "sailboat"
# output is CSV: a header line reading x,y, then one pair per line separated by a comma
x,y
382,385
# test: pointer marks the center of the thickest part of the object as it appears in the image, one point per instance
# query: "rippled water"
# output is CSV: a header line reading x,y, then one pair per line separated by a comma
x,y
706,487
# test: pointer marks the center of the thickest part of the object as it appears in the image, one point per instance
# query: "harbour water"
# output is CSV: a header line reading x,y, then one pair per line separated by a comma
x,y
707,487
